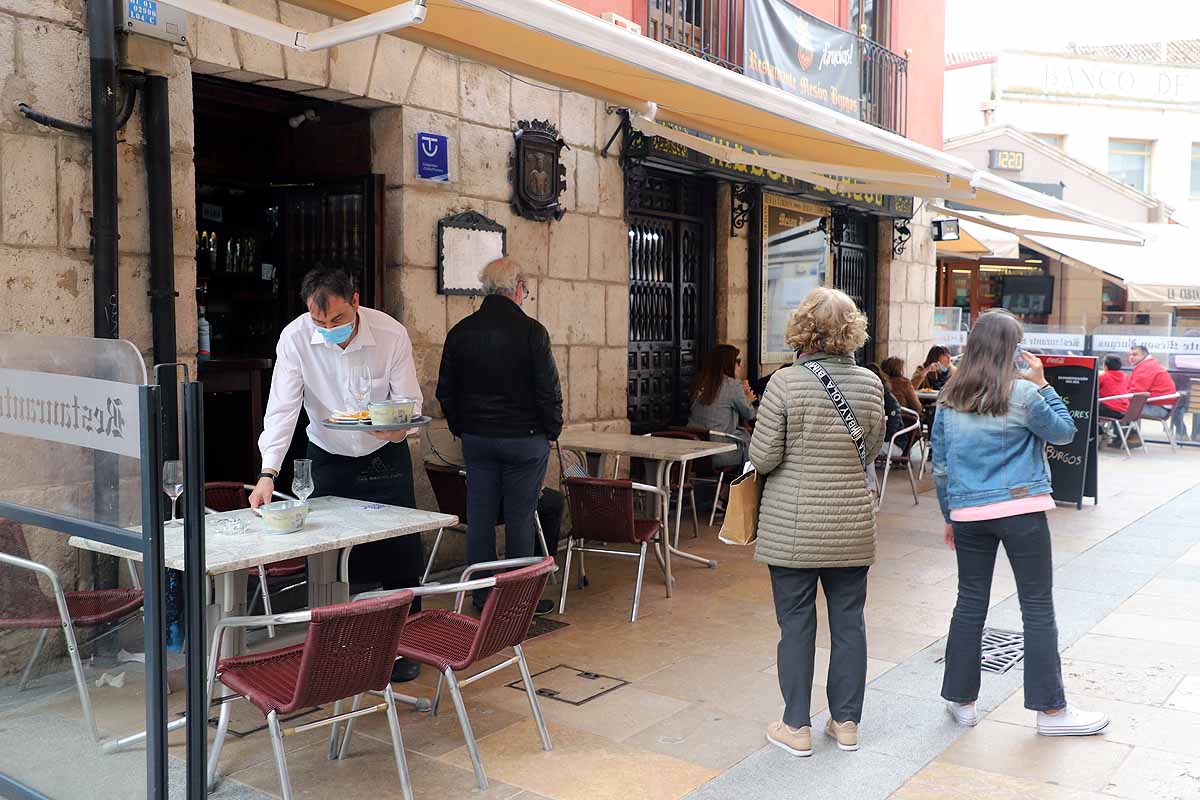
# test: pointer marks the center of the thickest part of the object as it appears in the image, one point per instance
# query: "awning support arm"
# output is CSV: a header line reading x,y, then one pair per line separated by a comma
x,y
389,19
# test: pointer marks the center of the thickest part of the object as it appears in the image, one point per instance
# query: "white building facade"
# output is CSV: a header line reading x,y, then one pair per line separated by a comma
x,y
1136,120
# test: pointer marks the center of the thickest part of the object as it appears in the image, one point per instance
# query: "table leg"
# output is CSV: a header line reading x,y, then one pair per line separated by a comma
x,y
660,480
678,519
326,584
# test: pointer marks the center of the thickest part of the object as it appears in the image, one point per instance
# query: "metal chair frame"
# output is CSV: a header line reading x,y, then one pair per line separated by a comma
x,y
640,555
1131,420
1168,422
721,473
449,679
906,456
462,528
273,722
68,629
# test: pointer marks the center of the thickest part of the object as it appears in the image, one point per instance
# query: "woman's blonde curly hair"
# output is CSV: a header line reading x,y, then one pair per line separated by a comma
x,y
827,321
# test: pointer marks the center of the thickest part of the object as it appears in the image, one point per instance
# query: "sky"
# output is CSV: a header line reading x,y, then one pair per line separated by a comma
x,y
1053,24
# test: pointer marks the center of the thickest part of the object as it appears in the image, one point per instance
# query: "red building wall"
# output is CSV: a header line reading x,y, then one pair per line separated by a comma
x,y
917,25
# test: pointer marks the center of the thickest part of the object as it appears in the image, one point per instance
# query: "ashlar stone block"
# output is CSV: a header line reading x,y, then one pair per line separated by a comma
x,y
569,247
417,304
608,249
395,64
350,66
578,127
28,166
587,182
612,392
484,94
616,314
258,54
572,312
306,68
434,83
532,100
584,383
483,161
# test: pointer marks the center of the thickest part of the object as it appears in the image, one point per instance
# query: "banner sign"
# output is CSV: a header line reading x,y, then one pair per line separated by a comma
x,y
802,55
1041,340
86,412
1073,466
950,338
1120,342
656,147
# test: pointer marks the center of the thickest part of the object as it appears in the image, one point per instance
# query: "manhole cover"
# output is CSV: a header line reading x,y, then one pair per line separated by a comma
x,y
1001,650
570,685
541,626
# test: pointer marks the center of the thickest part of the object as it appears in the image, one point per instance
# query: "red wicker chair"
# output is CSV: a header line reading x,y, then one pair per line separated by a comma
x,y
452,642
602,511
25,606
449,485
348,651
231,496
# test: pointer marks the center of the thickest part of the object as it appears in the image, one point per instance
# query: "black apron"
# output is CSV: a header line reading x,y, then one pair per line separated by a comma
x,y
385,476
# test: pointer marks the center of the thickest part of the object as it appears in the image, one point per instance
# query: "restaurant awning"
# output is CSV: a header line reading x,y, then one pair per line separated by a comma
x,y
980,241
561,45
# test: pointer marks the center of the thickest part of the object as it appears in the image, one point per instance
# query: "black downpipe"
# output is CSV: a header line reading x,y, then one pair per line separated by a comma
x,y
102,55
162,252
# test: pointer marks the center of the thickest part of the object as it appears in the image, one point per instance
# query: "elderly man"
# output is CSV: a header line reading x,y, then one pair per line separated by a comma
x,y
314,356
500,393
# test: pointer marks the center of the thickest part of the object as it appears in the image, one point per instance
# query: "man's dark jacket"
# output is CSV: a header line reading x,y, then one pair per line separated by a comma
x,y
498,378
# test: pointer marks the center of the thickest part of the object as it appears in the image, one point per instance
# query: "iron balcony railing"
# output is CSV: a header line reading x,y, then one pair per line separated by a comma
x,y
713,29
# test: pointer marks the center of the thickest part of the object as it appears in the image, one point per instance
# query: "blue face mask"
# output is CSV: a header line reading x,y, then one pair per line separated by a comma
x,y
339,335
943,368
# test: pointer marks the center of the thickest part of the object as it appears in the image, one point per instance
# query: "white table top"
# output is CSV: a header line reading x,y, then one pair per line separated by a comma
x,y
333,523
652,448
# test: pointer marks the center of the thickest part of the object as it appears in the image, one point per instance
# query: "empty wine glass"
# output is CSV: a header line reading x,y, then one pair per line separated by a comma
x,y
302,482
172,484
360,385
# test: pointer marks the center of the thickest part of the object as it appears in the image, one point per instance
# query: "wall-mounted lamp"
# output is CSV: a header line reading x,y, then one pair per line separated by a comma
x,y
309,115
900,236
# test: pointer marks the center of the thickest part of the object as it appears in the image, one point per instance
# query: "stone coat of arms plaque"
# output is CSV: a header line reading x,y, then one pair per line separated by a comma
x,y
536,170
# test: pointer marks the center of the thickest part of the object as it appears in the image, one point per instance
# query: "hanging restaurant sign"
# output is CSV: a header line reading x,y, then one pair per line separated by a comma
x,y
638,146
802,55
536,171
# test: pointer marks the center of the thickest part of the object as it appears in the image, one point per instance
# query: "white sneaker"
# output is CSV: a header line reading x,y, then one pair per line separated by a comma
x,y
1071,721
963,714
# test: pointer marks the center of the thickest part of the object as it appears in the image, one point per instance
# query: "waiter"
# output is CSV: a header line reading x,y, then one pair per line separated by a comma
x,y
314,356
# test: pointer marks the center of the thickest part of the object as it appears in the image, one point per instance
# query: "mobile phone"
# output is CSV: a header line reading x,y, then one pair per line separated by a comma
x,y
1019,359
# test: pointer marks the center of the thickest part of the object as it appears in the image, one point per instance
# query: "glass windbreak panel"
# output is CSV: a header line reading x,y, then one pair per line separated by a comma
x,y
950,327
795,261
1055,339
70,444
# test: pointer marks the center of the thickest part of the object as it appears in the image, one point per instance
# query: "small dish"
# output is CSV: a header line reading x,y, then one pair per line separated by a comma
x,y
284,516
392,412
228,526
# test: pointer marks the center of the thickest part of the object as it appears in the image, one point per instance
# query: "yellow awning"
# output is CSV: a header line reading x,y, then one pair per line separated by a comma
x,y
552,42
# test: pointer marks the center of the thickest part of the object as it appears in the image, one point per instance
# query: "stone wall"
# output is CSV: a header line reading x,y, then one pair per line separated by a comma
x,y
906,292
733,276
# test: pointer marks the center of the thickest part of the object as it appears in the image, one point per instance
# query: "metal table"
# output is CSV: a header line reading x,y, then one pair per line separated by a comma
x,y
664,452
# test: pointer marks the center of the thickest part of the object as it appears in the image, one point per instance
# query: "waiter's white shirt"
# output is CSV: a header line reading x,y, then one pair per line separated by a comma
x,y
311,372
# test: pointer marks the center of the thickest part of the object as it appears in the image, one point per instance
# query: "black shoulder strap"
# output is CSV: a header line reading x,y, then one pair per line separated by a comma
x,y
842,406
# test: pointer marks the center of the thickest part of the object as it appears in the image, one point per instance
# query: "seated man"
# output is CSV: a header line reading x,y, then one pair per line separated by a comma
x,y
1113,382
1150,376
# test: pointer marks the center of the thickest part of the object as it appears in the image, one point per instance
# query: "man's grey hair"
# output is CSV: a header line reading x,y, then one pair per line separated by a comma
x,y
501,277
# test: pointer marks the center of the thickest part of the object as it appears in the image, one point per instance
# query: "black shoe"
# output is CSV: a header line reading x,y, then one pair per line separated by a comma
x,y
544,607
405,670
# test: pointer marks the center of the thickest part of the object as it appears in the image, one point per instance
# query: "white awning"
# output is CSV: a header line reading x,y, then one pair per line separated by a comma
x,y
553,42
981,241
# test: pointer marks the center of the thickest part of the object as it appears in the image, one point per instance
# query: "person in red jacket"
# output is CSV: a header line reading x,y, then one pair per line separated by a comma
x,y
1150,376
1113,382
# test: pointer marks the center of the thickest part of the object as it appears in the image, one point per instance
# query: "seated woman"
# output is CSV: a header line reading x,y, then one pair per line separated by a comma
x,y
893,419
900,385
720,401
936,370
1113,382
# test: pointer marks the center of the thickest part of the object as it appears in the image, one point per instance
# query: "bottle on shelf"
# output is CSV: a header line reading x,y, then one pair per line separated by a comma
x,y
204,336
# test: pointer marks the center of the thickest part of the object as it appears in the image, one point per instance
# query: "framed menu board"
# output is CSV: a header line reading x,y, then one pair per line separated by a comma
x,y
795,259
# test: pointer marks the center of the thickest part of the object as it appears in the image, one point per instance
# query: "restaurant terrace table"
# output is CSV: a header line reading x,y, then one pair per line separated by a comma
x,y
334,526
661,450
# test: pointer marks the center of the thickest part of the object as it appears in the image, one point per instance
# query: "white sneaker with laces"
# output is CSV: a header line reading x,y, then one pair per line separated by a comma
x,y
966,715
1071,721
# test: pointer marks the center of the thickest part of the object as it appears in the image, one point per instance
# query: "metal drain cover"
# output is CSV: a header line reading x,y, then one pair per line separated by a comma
x,y
1001,650
570,685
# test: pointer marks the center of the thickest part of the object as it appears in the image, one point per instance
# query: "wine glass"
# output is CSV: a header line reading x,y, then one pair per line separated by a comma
x,y
172,484
302,482
360,385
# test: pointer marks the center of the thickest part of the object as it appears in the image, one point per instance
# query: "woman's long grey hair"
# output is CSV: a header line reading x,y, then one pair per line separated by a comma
x,y
984,379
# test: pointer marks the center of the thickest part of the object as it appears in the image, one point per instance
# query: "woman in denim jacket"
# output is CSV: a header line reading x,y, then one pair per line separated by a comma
x,y
993,484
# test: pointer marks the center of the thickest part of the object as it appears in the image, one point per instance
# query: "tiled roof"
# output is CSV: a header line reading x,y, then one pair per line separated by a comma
x,y
1179,51
968,57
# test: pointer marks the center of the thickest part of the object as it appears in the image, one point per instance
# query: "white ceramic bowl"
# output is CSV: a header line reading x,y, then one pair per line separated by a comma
x,y
284,516
392,412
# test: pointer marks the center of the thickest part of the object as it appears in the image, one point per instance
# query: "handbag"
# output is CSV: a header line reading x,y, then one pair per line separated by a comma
x,y
842,406
740,525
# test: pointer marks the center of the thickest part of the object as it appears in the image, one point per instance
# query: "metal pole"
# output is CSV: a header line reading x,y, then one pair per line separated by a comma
x,y
162,251
194,579
153,583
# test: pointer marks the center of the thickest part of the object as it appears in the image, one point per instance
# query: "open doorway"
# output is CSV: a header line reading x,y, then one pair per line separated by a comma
x,y
283,184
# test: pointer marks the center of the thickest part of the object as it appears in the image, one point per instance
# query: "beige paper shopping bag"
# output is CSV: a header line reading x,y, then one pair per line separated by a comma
x,y
741,512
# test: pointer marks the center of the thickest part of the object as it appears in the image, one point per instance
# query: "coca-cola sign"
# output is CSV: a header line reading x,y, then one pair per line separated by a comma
x,y
803,55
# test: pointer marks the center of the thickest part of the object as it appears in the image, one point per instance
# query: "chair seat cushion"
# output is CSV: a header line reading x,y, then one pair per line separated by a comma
x,y
267,680
645,530
87,609
440,639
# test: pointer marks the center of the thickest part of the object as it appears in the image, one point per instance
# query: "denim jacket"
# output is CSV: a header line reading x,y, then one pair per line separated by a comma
x,y
978,460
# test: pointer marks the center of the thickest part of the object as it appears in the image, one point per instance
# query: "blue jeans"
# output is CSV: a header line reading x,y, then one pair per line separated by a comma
x,y
1027,544
504,481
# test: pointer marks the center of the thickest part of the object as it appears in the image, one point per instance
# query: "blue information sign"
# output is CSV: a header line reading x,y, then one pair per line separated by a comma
x,y
433,159
143,11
